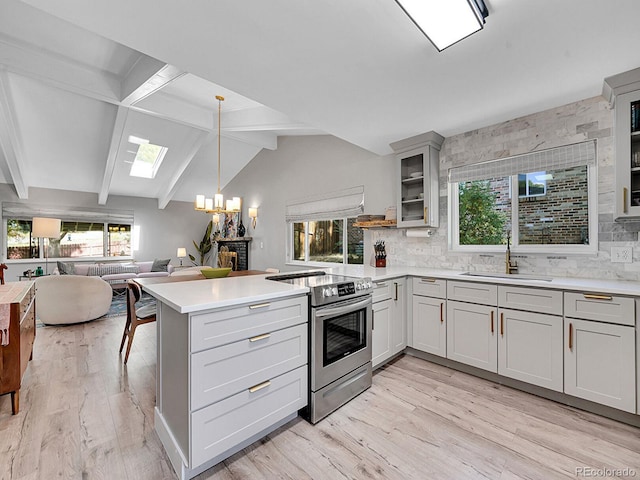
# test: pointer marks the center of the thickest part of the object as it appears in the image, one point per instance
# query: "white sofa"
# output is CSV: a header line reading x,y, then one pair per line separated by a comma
x,y
63,299
117,274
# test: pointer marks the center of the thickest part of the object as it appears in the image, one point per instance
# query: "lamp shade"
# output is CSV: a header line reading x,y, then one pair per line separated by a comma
x,y
182,252
45,227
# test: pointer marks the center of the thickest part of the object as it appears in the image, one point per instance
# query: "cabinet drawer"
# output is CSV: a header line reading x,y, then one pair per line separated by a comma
x,y
217,328
219,427
600,307
430,287
472,292
532,299
25,302
383,290
226,370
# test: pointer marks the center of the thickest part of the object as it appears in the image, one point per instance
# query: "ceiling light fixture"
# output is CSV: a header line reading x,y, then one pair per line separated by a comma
x,y
216,205
446,22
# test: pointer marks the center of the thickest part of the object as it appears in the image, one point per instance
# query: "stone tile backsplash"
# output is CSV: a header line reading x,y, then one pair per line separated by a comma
x,y
576,122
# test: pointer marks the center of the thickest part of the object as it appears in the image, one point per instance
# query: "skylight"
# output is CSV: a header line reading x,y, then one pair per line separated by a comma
x,y
147,161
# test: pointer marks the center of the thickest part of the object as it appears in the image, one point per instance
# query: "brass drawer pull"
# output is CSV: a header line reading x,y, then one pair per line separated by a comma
x,y
428,280
624,200
501,324
570,336
491,321
593,296
259,337
260,386
259,305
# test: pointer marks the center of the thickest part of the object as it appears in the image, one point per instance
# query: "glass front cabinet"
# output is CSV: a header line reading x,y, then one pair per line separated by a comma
x,y
417,176
623,92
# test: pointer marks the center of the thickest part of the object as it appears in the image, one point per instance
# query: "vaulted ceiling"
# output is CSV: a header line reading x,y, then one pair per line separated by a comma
x,y
77,78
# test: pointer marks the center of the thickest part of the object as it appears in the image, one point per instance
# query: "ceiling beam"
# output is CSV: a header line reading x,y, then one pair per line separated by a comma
x,y
259,118
114,147
54,70
147,77
10,140
177,110
257,139
172,186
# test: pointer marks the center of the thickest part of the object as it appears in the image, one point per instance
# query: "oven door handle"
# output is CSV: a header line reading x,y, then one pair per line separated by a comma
x,y
332,312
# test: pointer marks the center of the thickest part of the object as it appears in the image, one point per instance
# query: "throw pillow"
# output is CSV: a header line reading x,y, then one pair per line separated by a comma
x,y
66,268
160,265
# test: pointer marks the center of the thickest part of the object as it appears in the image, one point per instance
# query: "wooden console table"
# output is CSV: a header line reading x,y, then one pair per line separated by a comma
x,y
14,357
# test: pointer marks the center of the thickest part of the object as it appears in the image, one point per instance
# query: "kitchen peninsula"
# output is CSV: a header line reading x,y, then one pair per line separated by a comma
x,y
232,365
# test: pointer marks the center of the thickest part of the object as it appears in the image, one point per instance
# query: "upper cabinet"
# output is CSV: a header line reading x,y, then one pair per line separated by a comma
x,y
417,171
623,92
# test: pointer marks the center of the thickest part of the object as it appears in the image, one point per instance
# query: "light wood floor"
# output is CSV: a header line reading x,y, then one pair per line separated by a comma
x,y
86,416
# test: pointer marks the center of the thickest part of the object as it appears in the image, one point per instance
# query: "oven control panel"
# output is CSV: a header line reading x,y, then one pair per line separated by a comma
x,y
360,286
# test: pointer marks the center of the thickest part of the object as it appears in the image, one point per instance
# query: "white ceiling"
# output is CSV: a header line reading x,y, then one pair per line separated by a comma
x,y
77,80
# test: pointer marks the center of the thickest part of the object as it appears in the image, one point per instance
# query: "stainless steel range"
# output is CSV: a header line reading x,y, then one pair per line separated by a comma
x,y
339,339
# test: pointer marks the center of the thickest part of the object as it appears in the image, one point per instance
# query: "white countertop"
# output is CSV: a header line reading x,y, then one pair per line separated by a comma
x,y
200,295
614,287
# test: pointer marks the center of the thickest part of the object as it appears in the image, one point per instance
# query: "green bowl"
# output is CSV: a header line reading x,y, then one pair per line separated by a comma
x,y
215,272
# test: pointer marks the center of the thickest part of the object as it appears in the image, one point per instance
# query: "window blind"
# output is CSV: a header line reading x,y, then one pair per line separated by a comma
x,y
339,204
23,211
557,158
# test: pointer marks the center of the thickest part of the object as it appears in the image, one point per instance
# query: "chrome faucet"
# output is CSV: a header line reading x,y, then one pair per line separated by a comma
x,y
511,267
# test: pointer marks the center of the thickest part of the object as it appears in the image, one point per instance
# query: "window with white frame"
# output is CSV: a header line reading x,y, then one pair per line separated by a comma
x,y
546,200
321,229
83,233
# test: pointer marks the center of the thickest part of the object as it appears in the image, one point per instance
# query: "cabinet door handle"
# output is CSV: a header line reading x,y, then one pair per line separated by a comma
x,y
501,324
593,296
624,200
491,321
260,386
426,217
373,321
259,337
441,312
570,336
396,284
259,305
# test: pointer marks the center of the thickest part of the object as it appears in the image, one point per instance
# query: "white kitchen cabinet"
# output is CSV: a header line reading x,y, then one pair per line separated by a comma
x,y
430,316
389,335
429,325
530,348
399,315
472,334
381,347
627,155
600,349
227,377
599,363
530,335
417,175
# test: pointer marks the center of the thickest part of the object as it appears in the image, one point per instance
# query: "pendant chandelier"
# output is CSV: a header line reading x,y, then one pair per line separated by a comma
x,y
216,205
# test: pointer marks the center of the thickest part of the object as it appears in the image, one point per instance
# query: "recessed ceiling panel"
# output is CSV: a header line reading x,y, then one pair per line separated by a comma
x,y
65,137
177,138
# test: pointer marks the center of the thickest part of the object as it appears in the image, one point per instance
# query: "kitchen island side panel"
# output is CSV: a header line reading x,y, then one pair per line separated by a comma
x,y
173,360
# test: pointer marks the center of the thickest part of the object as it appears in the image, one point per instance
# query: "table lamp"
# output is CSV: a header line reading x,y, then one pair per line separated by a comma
x,y
45,228
182,252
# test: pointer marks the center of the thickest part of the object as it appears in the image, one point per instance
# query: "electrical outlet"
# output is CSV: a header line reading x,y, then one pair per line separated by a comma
x,y
622,254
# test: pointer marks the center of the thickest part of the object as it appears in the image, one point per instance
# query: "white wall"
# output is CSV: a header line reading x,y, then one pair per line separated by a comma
x,y
311,165
302,166
161,231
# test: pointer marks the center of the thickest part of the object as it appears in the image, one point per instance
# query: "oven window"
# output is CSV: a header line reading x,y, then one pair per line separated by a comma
x,y
344,335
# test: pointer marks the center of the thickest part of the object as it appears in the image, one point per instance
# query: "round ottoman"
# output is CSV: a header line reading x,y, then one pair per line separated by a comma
x,y
62,299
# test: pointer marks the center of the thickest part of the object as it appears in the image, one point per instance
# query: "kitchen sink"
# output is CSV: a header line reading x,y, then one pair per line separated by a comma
x,y
507,275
